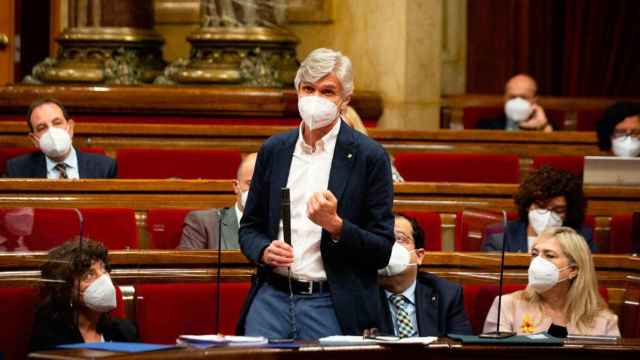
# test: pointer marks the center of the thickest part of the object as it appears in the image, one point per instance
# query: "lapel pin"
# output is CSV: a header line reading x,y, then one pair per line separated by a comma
x,y
349,156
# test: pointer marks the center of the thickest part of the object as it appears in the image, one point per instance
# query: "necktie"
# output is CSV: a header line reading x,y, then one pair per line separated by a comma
x,y
62,169
405,326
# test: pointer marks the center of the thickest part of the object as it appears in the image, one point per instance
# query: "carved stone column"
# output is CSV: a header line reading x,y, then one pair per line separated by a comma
x,y
106,42
239,42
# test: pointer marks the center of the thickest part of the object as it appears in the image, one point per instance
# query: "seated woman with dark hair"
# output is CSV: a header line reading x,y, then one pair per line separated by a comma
x,y
619,130
562,295
548,197
76,297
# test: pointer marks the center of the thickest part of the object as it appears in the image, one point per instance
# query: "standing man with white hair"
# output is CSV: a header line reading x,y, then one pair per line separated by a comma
x,y
341,218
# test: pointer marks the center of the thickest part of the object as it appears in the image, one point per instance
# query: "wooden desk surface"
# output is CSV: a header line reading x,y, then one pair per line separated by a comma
x,y
442,349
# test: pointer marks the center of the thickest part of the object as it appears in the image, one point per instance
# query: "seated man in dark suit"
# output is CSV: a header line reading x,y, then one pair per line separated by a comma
x,y
52,133
418,303
521,110
547,198
200,230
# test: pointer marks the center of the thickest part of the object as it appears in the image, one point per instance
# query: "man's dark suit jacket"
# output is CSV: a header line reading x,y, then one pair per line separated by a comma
x,y
201,227
439,308
515,238
360,179
34,165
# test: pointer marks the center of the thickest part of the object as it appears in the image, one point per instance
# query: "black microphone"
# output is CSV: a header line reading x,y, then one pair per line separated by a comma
x,y
498,334
219,266
285,214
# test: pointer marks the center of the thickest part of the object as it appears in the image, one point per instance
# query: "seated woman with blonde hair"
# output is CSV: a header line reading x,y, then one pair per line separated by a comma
x,y
562,295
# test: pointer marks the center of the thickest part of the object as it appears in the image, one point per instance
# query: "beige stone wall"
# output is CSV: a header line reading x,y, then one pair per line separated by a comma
x,y
395,47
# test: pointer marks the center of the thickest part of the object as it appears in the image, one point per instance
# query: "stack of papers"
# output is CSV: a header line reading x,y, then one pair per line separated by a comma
x,y
205,341
350,340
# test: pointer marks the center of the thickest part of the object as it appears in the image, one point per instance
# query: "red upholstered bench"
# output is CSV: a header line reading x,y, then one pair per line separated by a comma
x,y
165,311
165,227
178,163
114,227
572,164
431,224
458,167
479,298
17,314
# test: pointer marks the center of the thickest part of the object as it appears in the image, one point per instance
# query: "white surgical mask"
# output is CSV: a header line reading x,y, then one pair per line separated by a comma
x,y
518,109
398,262
543,219
316,111
625,146
543,274
243,199
100,296
55,142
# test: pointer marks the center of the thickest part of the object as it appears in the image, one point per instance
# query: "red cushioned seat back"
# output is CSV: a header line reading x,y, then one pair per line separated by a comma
x,y
572,164
630,319
17,313
114,227
178,163
431,225
621,234
165,227
165,311
472,114
473,225
479,298
458,167
586,120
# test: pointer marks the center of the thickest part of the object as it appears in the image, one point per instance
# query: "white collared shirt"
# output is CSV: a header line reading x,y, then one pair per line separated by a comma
x,y
72,166
238,212
309,173
409,306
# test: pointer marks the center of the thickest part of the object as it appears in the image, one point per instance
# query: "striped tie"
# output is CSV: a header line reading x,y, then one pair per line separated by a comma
x,y
62,169
405,326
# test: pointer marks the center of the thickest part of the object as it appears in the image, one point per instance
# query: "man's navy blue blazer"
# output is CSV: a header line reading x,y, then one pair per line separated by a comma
x,y
439,308
360,179
34,165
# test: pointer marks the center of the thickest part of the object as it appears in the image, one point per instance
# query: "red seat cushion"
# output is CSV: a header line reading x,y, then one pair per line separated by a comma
x,y
572,164
165,311
114,227
458,167
621,234
587,119
431,225
472,226
165,227
178,163
17,313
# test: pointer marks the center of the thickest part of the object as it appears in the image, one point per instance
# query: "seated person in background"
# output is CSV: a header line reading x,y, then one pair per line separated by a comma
x,y
52,133
548,197
619,130
562,295
76,297
200,230
521,112
417,303
352,118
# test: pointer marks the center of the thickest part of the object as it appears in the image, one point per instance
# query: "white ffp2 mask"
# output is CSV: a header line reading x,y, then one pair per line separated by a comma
x,y
100,296
542,219
543,274
55,142
398,262
625,146
518,109
316,111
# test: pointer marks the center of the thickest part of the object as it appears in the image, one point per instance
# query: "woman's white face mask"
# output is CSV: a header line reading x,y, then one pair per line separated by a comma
x,y
543,274
100,296
625,146
543,219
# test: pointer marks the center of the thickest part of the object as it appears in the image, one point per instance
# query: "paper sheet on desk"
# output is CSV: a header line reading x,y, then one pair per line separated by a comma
x,y
221,340
117,346
341,340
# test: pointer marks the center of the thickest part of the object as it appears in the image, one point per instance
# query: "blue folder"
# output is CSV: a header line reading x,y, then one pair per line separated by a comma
x,y
129,347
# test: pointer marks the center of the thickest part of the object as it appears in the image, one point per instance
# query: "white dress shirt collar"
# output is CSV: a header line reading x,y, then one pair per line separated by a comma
x,y
326,143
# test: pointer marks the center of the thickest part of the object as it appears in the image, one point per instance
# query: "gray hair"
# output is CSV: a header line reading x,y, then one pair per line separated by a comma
x,y
322,62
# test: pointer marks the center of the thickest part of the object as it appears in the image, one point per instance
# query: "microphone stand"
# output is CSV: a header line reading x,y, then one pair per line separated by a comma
x,y
219,266
500,334
285,214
